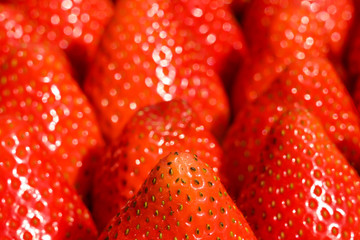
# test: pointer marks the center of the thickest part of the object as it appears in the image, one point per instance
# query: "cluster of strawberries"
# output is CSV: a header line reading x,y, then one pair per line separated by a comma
x,y
179,119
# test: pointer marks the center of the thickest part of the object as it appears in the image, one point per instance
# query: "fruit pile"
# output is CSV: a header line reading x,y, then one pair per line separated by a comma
x,y
179,119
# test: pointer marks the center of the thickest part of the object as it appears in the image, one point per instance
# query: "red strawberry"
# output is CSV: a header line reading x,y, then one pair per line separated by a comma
x,y
36,202
182,198
14,24
254,78
147,56
75,26
217,30
295,33
315,84
245,140
150,134
36,86
299,27
305,189
312,83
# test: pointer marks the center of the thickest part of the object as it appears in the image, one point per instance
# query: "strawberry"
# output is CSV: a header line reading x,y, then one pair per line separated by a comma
x,y
305,187
150,134
148,56
312,83
75,26
302,27
254,78
14,24
218,31
182,198
315,84
36,202
245,140
36,85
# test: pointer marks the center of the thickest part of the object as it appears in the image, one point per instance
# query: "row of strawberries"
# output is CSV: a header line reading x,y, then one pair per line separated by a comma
x,y
46,120
287,176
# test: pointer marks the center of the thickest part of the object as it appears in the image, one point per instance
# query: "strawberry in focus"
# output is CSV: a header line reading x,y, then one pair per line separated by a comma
x,y
182,198
36,202
36,86
305,187
149,135
148,56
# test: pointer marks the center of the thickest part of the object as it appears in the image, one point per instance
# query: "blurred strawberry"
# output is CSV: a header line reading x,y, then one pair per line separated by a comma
x,y
254,78
182,198
305,188
149,135
148,56
214,26
302,27
15,25
74,25
36,202
36,86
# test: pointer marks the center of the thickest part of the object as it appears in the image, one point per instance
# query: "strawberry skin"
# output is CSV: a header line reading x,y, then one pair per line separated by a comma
x,y
150,134
74,26
14,24
305,188
245,139
254,78
315,84
215,27
313,27
182,198
312,83
148,56
36,202
36,86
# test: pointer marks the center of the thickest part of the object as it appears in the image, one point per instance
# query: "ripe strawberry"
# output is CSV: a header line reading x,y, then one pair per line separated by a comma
x,y
305,187
302,27
36,86
182,198
148,56
312,83
296,34
36,202
254,78
245,140
215,27
75,26
150,134
14,24
315,84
